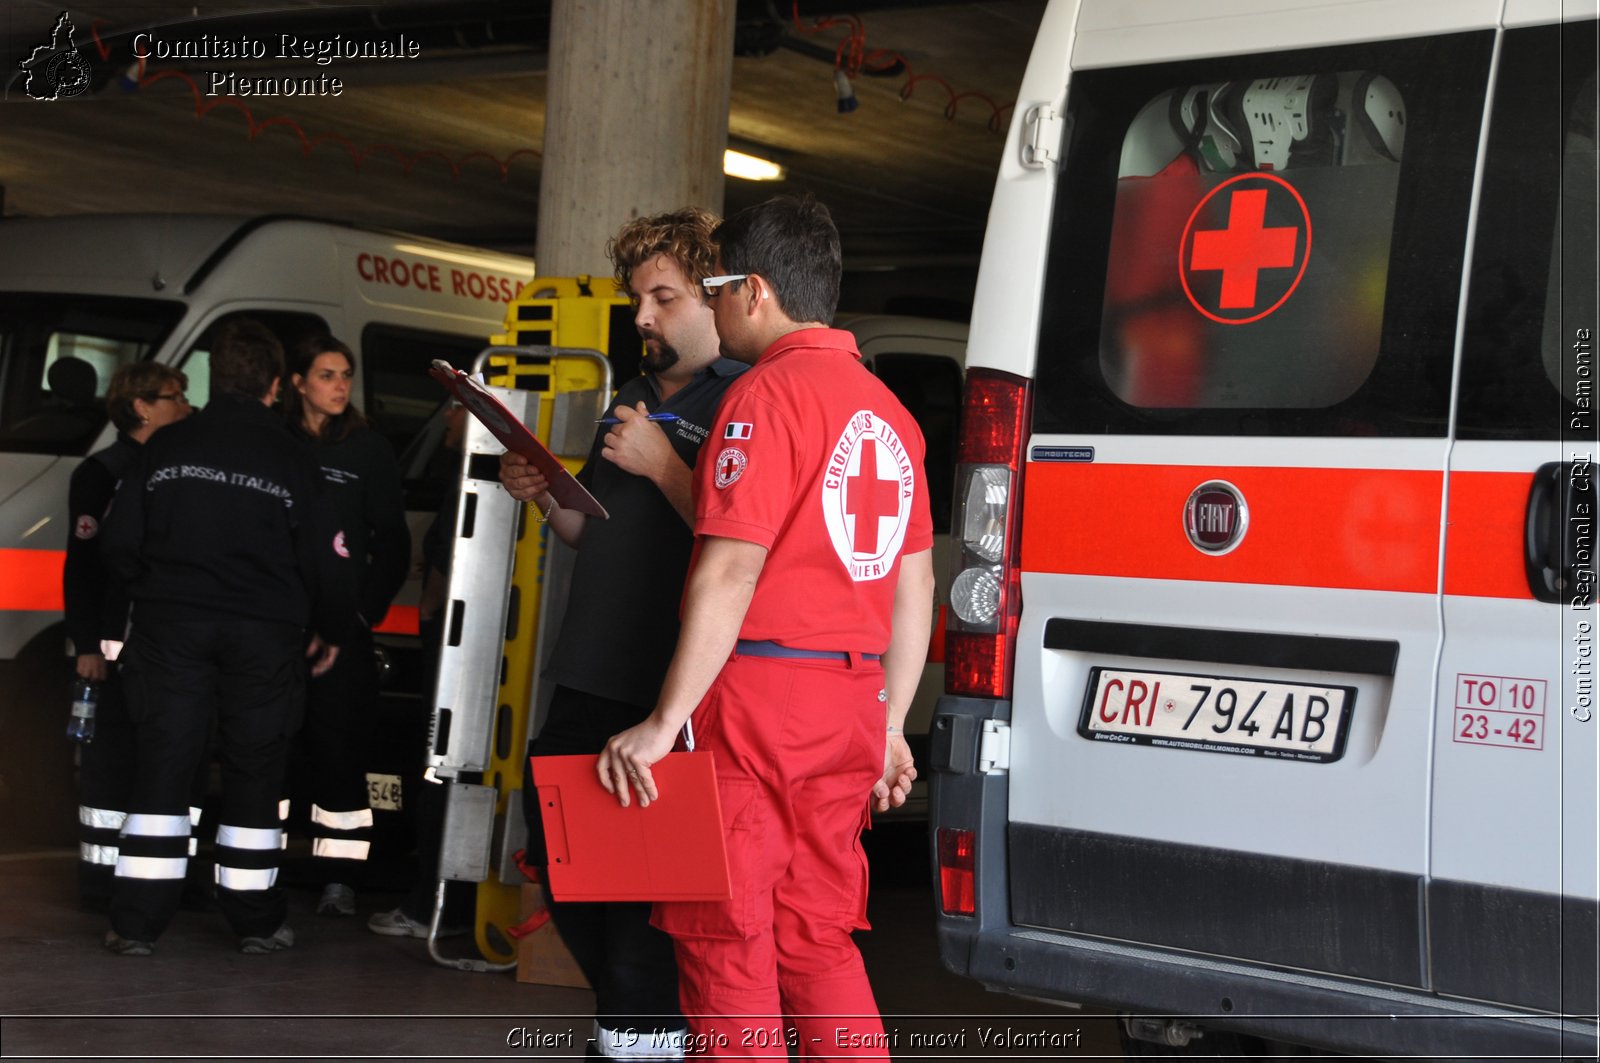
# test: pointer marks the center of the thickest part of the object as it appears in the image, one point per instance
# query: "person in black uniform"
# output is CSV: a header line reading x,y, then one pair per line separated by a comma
x,y
363,478
141,398
230,552
608,663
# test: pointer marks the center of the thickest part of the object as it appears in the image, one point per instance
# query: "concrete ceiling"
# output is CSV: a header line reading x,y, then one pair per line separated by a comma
x,y
907,181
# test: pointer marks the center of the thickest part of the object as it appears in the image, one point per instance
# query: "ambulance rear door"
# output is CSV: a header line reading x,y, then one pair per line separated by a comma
x,y
1511,908
1234,486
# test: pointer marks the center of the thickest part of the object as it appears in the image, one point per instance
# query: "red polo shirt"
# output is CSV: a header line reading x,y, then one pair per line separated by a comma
x,y
815,459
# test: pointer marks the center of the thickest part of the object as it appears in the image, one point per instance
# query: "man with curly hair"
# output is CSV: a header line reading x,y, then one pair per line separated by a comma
x,y
608,663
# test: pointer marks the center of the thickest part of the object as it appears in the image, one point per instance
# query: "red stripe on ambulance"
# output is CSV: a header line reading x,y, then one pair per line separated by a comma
x,y
30,580
1484,543
400,620
1361,529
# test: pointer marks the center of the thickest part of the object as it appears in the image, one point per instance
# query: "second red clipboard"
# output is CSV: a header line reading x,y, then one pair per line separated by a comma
x,y
564,487
669,850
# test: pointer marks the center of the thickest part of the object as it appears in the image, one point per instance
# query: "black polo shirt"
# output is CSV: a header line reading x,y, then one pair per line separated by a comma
x,y
622,609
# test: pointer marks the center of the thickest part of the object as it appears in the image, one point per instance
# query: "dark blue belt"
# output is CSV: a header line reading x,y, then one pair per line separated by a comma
x,y
765,648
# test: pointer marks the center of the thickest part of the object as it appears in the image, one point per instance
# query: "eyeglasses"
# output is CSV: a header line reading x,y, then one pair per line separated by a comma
x,y
179,397
712,284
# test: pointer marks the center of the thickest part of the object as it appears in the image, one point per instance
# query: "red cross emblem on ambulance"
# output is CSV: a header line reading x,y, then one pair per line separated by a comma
x,y
867,489
1245,248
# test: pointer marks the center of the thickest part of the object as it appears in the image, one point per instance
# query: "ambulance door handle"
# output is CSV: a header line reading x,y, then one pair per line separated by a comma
x,y
1559,528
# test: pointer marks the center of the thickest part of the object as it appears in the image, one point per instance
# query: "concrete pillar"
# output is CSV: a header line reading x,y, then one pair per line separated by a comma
x,y
636,119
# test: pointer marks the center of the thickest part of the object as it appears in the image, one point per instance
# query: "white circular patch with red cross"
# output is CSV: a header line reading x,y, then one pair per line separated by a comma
x,y
730,466
86,527
338,545
867,490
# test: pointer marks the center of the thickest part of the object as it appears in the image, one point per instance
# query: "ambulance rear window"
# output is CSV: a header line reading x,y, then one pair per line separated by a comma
x,y
1223,193
1263,244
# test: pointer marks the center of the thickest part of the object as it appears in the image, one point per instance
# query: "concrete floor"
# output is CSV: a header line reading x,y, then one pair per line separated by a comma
x,y
343,992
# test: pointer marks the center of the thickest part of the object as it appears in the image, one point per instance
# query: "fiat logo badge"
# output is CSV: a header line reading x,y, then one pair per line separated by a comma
x,y
1215,517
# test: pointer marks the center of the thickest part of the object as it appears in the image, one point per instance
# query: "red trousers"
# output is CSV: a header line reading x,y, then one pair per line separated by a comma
x,y
798,745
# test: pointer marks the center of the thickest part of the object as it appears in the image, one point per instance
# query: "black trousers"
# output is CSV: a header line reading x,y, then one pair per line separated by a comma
x,y
629,963
341,711
179,677
105,785
105,782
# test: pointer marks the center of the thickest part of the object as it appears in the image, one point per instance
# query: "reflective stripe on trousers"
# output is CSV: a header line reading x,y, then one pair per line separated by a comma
x,y
99,855
101,818
247,857
160,847
341,835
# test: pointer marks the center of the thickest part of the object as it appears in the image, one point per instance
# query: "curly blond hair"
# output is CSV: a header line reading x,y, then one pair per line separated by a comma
x,y
682,235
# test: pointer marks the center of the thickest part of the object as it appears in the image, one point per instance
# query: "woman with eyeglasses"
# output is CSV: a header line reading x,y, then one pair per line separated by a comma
x,y
359,468
141,398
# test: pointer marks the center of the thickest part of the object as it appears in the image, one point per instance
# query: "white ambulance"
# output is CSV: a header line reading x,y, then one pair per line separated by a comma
x,y
108,290
1270,681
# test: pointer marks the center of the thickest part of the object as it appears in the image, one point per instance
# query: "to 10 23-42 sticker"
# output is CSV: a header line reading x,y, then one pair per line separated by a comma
x,y
1499,710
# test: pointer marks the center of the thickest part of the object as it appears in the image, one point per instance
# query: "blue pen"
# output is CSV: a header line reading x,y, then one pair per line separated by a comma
x,y
648,417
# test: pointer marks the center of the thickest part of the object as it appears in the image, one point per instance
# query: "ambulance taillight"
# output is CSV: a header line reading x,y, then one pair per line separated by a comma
x,y
985,592
957,866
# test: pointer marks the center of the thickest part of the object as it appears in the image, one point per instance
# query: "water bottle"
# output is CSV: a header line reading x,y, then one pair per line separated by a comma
x,y
85,698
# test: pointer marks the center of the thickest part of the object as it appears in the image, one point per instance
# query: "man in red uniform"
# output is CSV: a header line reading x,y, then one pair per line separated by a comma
x,y
805,625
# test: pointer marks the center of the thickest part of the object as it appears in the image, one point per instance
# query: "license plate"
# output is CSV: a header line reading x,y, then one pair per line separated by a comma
x,y
384,792
1217,714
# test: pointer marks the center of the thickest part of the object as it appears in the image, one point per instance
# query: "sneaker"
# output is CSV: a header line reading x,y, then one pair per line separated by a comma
x,y
280,939
397,924
337,899
127,946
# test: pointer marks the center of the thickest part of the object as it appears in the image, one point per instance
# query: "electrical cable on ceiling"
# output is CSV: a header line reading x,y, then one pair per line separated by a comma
x,y
358,154
851,59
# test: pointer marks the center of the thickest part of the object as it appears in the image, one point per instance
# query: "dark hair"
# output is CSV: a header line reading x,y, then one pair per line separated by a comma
x,y
138,380
793,245
682,235
302,356
246,358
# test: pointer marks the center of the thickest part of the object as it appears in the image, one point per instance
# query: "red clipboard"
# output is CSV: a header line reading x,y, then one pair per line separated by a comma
x,y
564,487
670,850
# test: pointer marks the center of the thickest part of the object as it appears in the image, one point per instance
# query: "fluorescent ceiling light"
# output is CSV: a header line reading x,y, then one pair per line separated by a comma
x,y
750,168
481,261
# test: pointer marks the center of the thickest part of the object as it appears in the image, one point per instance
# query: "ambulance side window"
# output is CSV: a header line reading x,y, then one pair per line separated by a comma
x,y
58,353
1263,244
1528,354
289,327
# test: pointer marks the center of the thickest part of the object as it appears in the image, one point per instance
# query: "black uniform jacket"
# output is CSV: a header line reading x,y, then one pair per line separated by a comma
x,y
363,479
225,516
96,605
